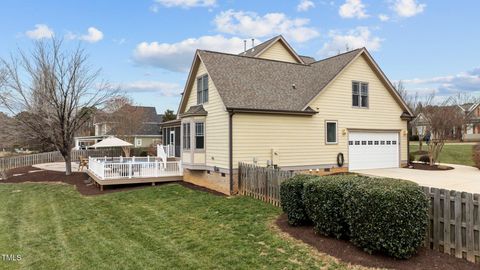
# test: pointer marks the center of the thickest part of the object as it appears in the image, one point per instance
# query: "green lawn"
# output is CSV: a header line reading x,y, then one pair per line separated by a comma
x,y
451,153
166,227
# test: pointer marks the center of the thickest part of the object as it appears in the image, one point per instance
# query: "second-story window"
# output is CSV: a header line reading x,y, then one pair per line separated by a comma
x,y
202,89
360,94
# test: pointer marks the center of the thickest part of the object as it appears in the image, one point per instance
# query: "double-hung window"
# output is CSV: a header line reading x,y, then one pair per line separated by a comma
x,y
199,135
186,136
202,89
360,94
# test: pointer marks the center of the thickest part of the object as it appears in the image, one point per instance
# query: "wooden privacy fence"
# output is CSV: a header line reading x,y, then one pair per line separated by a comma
x,y
454,223
261,183
8,163
454,216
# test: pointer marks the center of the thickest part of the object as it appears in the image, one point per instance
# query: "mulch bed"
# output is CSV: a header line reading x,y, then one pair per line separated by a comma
x,y
426,259
81,181
428,167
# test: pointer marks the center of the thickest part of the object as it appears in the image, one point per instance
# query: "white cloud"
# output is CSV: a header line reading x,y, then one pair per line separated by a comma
x,y
468,81
305,5
93,35
408,8
178,56
41,31
164,88
182,4
250,24
383,17
353,39
353,9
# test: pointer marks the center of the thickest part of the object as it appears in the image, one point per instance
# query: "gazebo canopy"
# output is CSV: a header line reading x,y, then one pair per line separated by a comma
x,y
111,142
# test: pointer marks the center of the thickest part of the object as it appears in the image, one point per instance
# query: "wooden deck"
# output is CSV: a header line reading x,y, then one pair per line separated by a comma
x,y
124,181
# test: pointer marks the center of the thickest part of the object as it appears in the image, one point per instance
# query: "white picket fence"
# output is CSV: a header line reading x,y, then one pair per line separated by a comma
x,y
9,163
134,167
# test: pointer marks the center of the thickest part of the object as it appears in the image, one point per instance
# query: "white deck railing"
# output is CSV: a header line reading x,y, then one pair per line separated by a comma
x,y
135,167
168,149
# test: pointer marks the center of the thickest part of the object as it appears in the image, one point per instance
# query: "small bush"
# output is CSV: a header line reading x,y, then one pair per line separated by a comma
x,y
291,198
424,159
411,157
324,200
476,155
414,138
387,216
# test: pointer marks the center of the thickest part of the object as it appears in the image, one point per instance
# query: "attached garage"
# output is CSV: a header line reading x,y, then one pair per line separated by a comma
x,y
373,150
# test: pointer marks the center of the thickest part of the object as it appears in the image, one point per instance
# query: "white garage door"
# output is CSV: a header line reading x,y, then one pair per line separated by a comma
x,y
373,150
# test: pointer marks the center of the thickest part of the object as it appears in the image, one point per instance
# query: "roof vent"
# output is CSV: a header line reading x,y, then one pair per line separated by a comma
x,y
253,44
294,86
244,46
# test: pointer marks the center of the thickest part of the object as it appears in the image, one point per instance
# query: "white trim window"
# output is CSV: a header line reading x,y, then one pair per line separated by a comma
x,y
360,94
202,89
186,136
331,132
199,135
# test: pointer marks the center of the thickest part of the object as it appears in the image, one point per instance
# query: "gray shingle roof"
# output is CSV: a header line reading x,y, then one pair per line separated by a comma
x,y
253,51
196,110
255,83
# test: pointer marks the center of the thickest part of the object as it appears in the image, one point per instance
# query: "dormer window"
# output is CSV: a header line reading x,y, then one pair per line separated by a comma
x,y
360,94
202,89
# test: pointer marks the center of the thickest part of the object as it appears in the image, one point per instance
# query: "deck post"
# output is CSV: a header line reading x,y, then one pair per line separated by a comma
x,y
130,170
156,168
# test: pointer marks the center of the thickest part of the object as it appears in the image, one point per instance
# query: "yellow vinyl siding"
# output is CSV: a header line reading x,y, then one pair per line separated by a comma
x,y
216,126
300,140
279,52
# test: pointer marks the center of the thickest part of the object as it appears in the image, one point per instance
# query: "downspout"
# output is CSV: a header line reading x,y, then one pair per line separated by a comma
x,y
230,148
408,142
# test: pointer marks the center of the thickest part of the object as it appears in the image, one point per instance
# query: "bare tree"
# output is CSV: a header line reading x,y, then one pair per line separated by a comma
x,y
413,101
53,86
124,119
442,118
464,101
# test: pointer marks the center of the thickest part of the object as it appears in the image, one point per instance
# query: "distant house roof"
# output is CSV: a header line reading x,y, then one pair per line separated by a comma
x,y
255,83
151,120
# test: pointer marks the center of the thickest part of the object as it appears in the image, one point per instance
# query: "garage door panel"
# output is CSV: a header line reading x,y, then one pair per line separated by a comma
x,y
369,150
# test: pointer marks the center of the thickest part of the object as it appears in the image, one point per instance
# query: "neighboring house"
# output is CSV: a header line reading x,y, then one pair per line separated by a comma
x,y
469,132
271,106
472,130
149,131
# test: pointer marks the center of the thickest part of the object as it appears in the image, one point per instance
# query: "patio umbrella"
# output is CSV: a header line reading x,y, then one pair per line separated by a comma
x,y
112,142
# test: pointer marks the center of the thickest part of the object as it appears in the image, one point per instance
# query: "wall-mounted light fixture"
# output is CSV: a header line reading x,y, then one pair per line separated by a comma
x,y
344,131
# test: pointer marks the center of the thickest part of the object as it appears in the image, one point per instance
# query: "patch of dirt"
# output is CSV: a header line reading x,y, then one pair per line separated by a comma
x,y
428,167
426,259
81,181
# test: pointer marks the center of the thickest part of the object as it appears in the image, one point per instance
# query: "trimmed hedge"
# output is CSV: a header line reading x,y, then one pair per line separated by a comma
x,y
388,216
291,198
379,215
325,200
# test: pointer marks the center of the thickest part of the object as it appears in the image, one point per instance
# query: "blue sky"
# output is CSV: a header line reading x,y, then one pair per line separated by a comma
x,y
146,47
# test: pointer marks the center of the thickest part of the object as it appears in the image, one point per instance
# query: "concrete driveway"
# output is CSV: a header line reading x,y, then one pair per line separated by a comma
x,y
461,178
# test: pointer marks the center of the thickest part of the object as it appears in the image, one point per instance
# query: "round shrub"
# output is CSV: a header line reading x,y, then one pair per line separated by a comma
x,y
291,199
387,216
424,159
324,201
